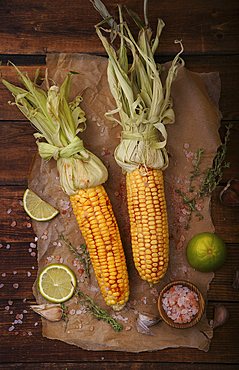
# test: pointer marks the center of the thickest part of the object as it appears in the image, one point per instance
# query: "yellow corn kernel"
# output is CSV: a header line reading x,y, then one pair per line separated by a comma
x,y
99,228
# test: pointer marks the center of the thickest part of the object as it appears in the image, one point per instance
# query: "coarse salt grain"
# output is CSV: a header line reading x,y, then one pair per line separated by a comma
x,y
11,328
16,286
180,303
28,273
8,246
14,272
9,211
4,274
1,285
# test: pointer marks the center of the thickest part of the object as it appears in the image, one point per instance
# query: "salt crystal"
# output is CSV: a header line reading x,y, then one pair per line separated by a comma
x,y
36,323
1,285
11,328
13,224
14,272
7,308
28,273
72,312
8,246
33,245
30,250
4,274
16,286
181,219
9,211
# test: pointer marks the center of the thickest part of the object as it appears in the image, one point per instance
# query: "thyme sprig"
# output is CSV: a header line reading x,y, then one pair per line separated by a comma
x,y
96,311
83,257
64,314
211,179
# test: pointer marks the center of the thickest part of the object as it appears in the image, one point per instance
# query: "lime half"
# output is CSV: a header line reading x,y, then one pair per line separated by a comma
x,y
56,283
37,208
206,252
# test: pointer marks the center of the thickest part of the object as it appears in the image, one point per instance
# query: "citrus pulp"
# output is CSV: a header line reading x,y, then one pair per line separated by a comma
x,y
37,208
57,283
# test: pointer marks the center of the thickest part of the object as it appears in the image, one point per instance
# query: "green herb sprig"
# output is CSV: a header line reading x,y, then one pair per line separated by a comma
x,y
83,257
96,311
212,177
64,314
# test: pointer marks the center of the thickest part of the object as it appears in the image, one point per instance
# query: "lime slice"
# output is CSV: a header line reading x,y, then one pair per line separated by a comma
x,y
56,283
37,208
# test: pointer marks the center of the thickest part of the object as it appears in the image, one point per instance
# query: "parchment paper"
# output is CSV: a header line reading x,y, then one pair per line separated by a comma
x,y
197,122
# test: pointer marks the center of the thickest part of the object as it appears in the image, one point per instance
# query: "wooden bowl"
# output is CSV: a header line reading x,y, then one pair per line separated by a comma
x,y
195,318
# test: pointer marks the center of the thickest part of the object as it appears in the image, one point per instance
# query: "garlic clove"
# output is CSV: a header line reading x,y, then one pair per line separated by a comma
x,y
149,319
221,315
142,328
51,312
230,194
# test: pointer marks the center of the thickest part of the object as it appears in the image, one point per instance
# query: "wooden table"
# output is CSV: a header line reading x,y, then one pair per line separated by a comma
x,y
29,30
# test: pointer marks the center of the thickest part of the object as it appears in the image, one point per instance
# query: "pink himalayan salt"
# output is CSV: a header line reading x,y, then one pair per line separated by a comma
x,y
180,303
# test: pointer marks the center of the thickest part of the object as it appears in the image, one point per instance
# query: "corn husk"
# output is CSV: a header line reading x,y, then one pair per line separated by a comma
x,y
144,105
58,122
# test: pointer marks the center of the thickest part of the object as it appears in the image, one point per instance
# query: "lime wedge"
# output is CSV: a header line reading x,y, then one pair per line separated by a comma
x,y
56,283
37,208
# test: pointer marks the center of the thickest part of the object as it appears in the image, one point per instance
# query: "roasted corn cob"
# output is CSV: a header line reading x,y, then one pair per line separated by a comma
x,y
144,107
81,176
99,228
148,223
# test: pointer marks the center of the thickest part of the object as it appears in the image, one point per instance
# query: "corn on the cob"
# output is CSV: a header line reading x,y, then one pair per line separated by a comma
x,y
81,176
97,222
144,106
148,223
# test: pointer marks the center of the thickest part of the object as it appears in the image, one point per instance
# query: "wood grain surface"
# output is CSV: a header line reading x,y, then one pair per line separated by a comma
x,y
30,29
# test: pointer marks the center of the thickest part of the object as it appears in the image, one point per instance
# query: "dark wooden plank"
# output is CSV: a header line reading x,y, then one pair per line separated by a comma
x,y
227,66
18,265
30,28
17,149
18,146
103,365
20,346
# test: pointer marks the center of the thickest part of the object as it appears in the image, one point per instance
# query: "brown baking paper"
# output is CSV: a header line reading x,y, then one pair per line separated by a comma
x,y
197,121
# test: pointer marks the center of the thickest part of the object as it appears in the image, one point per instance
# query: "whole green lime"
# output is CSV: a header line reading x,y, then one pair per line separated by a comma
x,y
206,252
